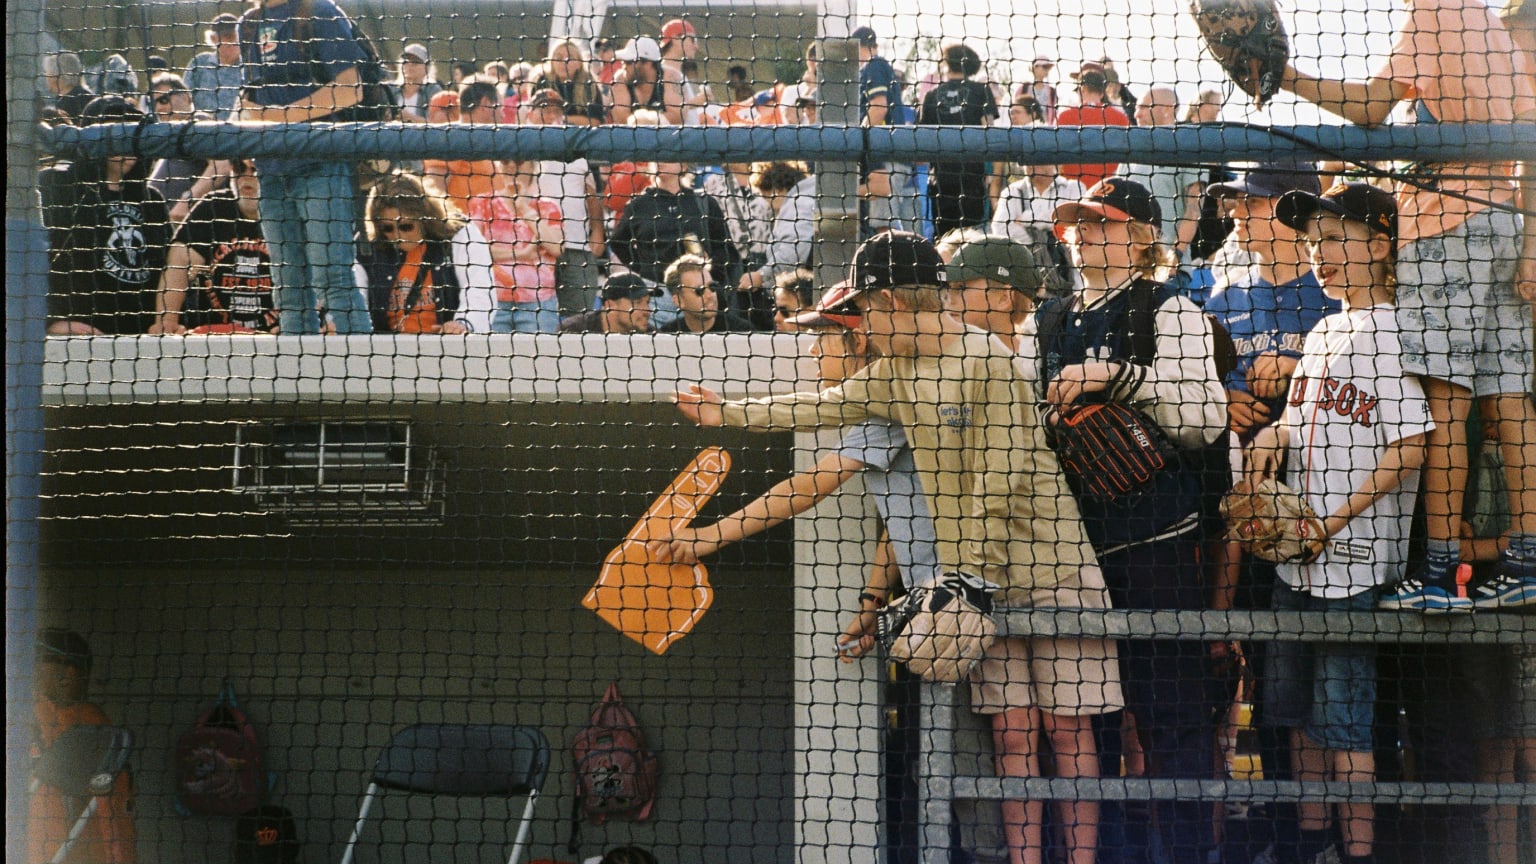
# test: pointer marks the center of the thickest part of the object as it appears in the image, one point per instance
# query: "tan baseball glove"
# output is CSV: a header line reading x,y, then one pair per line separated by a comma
x,y
1247,38
1272,521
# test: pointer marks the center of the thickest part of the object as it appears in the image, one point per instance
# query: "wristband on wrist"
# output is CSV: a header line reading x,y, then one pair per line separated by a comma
x,y
878,601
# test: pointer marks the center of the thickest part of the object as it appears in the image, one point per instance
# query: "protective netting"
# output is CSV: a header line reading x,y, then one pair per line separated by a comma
x,y
360,460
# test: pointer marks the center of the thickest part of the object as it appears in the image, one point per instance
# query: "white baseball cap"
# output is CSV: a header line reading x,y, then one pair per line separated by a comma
x,y
639,48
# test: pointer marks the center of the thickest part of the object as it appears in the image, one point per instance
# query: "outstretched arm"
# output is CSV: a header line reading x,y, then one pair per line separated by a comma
x,y
778,505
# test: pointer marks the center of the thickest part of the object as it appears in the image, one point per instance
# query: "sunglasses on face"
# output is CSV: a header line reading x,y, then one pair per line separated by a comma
x,y
699,291
389,230
164,98
786,311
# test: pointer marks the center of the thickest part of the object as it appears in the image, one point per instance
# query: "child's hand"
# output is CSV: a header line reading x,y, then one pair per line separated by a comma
x,y
1245,413
1079,379
1270,375
858,637
700,404
683,546
1262,458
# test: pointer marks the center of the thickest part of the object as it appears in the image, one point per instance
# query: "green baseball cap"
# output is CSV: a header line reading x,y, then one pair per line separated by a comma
x,y
1001,259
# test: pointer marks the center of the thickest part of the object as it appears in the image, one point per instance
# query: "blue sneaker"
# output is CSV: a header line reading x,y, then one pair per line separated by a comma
x,y
1505,591
1413,595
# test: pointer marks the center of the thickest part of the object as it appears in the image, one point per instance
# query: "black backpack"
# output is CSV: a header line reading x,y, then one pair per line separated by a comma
x,y
1212,462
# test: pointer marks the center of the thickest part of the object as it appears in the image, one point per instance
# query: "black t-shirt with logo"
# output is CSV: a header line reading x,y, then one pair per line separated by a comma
x,y
107,249
238,287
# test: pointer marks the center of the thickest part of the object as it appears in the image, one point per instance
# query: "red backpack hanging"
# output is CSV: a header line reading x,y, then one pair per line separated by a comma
x,y
615,773
218,762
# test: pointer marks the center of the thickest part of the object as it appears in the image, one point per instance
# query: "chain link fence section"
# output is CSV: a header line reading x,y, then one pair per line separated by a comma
x,y
363,363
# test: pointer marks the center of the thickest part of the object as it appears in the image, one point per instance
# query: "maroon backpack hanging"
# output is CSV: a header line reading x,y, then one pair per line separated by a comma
x,y
218,762
615,773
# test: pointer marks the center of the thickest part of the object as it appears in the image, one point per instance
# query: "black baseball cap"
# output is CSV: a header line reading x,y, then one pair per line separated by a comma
x,y
896,258
1361,202
1113,199
865,36
1270,181
629,286
1001,259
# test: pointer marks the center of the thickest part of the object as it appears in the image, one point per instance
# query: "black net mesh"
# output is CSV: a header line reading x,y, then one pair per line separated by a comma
x,y
402,448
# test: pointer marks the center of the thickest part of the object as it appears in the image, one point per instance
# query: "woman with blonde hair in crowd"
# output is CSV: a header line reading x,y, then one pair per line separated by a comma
x,y
565,71
428,271
526,237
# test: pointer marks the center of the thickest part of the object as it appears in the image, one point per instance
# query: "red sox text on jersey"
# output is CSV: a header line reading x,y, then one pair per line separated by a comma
x,y
1341,397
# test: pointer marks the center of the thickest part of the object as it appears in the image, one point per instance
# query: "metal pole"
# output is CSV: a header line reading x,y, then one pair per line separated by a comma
x,y
26,264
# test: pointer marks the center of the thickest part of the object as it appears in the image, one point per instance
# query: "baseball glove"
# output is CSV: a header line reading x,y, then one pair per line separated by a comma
x,y
1272,521
1109,450
940,631
1248,40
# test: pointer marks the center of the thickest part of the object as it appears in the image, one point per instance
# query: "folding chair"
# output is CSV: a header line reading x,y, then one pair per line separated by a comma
x,y
483,761
83,763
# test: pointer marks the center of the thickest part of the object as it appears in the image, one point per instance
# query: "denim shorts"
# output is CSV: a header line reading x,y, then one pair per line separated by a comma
x,y
1326,689
1459,315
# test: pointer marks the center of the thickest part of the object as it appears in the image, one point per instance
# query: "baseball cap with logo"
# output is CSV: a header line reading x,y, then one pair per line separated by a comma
x,y
1000,259
1113,199
835,309
676,29
1270,181
1361,202
629,286
639,48
896,259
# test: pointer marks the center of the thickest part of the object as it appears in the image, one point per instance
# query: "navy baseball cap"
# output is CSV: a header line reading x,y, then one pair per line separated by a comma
x,y
1361,202
1270,181
864,36
1113,199
896,258
629,286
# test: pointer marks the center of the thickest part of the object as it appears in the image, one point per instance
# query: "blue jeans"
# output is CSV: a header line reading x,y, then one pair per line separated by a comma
x,y
1327,689
308,221
536,316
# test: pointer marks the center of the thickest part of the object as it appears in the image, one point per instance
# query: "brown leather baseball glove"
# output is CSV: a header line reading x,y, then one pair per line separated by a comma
x,y
1272,521
1247,38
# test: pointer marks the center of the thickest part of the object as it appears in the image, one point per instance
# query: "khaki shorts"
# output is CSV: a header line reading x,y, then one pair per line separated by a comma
x,y
1057,675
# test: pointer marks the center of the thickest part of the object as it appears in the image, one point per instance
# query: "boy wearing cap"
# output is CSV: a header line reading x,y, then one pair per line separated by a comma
x,y
1269,317
626,308
1129,337
1353,439
1000,506
1464,329
993,285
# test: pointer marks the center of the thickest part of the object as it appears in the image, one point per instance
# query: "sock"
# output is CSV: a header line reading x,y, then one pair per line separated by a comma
x,y
1519,560
1440,560
1312,843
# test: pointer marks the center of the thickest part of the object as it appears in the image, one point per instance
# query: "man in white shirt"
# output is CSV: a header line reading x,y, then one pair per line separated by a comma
x,y
570,185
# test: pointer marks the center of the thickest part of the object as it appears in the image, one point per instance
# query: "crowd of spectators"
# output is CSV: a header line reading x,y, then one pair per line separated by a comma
x,y
754,223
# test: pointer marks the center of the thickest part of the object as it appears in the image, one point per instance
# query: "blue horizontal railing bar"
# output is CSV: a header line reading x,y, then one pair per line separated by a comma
x,y
1182,144
1146,789
1268,626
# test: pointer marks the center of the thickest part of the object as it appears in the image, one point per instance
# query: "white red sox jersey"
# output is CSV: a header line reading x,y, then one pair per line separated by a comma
x,y
1349,401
